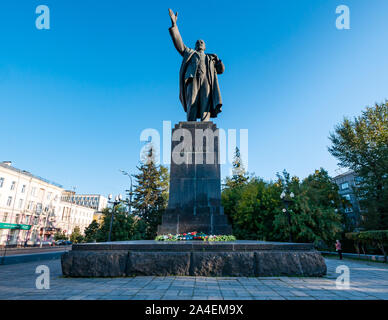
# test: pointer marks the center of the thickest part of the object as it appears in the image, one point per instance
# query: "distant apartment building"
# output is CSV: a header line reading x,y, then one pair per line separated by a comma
x,y
96,202
347,183
93,201
31,208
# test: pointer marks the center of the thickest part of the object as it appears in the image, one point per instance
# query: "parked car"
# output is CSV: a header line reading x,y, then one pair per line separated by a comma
x,y
63,243
44,243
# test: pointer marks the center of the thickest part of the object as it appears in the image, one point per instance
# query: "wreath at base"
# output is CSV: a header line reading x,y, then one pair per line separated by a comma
x,y
194,236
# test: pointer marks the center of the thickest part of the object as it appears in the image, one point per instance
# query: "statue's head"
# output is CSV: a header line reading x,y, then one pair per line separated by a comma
x,y
200,45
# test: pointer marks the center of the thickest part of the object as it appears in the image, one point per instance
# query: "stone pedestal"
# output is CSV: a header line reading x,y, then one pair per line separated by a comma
x,y
193,258
195,181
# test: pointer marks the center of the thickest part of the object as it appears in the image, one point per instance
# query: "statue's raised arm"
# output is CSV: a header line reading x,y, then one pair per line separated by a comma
x,y
174,32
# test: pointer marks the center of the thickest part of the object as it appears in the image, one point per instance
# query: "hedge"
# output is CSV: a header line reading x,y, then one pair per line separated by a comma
x,y
377,238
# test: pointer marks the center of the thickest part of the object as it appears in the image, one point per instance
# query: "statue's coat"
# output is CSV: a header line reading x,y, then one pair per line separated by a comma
x,y
212,69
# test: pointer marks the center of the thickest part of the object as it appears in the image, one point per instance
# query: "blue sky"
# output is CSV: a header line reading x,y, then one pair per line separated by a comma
x,y
74,99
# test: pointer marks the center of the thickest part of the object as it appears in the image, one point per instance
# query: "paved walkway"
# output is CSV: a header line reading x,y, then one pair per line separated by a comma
x,y
368,280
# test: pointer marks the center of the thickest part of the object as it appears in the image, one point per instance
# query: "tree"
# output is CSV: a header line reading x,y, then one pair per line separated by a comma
x,y
255,209
60,236
251,208
239,175
313,210
361,144
91,231
76,236
151,193
140,229
123,227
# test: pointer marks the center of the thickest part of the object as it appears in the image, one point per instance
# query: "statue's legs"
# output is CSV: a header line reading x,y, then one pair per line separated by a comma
x,y
198,99
192,104
204,98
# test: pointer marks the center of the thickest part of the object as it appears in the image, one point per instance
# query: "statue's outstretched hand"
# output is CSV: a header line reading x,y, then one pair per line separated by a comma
x,y
174,17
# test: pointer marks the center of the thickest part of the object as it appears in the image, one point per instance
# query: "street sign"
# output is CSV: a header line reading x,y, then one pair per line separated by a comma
x,y
14,226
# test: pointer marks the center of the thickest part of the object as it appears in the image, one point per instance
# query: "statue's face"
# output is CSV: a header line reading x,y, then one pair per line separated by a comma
x,y
200,45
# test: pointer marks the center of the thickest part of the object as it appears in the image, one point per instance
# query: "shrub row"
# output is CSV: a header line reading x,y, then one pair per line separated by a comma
x,y
377,238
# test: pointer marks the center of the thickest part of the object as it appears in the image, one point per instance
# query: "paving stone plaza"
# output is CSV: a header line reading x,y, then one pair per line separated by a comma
x,y
368,281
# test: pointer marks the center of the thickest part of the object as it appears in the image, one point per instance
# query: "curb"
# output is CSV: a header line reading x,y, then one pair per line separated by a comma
x,y
366,257
23,258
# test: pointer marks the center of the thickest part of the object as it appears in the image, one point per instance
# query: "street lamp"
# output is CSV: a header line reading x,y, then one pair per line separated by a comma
x,y
114,203
130,190
286,202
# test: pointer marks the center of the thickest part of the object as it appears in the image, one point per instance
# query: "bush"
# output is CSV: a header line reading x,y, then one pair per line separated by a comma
x,y
374,238
76,236
60,236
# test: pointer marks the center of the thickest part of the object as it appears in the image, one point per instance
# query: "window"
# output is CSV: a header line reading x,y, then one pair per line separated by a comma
x,y
49,195
13,184
1,182
9,201
348,210
23,188
344,186
33,191
38,208
30,205
5,216
347,196
20,203
358,180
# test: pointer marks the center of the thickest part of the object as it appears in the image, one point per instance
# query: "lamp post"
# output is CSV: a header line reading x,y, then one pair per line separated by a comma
x,y
287,201
130,192
114,203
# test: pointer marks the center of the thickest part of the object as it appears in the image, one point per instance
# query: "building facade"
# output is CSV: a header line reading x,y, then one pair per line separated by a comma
x,y
93,201
347,182
32,210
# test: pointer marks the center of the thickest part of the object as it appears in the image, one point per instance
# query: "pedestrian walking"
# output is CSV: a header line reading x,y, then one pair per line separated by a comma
x,y
338,248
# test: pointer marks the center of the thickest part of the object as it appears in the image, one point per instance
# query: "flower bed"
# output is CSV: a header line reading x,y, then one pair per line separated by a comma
x,y
194,236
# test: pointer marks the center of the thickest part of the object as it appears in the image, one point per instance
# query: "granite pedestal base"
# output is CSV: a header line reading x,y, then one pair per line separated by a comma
x,y
195,181
193,258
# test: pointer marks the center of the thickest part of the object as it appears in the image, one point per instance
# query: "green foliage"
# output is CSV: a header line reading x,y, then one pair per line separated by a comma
x,y
60,236
124,226
352,236
251,209
255,209
151,194
239,175
377,238
361,144
76,236
91,231
314,216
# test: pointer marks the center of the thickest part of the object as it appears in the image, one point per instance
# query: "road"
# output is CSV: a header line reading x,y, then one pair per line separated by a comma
x,y
14,251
